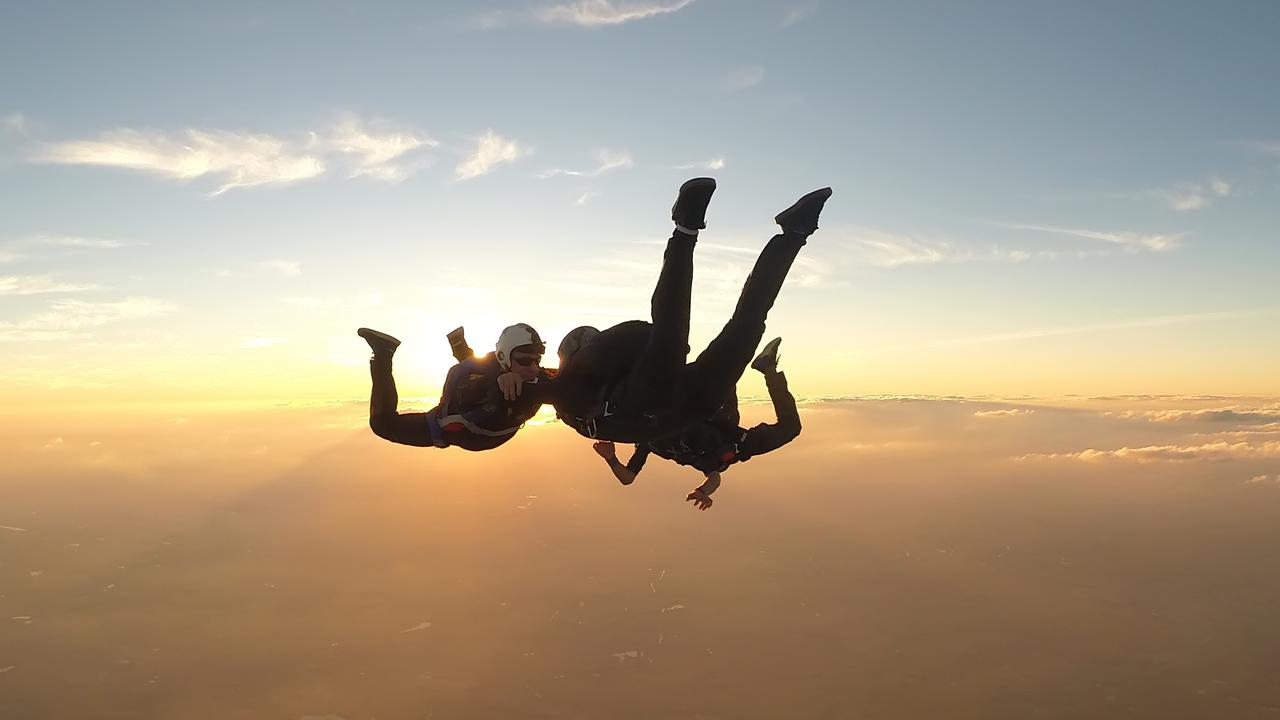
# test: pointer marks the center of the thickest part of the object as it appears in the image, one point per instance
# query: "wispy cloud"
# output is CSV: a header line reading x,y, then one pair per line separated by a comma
x,y
77,242
287,268
1130,241
744,77
379,155
1220,450
606,160
797,13
235,159
715,163
597,13
38,285
879,248
9,250
1010,412
585,198
68,317
1134,323
1264,480
1192,196
884,249
491,150
238,159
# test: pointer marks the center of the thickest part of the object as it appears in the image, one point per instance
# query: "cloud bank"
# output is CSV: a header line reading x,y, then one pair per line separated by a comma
x,y
1220,450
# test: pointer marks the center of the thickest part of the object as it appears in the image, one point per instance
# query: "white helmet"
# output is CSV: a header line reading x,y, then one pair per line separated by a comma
x,y
516,336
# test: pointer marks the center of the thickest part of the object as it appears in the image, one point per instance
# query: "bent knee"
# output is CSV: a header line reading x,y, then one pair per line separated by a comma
x,y
384,426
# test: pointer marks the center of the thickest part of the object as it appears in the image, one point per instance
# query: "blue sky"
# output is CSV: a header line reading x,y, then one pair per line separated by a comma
x,y
1028,196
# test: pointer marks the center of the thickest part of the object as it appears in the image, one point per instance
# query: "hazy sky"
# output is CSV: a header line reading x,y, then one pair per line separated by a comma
x,y
204,202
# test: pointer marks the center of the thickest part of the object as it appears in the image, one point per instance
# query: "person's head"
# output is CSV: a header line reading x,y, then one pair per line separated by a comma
x,y
520,350
574,341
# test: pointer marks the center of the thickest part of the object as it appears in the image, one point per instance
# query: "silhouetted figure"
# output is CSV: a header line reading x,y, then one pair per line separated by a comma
x,y
630,383
484,402
719,442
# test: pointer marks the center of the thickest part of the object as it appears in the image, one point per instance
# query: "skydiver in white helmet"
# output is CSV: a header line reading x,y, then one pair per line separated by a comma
x,y
485,400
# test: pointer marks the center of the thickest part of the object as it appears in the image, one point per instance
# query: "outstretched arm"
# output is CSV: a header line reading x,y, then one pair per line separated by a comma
x,y
701,496
626,474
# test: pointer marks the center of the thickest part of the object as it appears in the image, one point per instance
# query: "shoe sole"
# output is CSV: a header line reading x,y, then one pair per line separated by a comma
x,y
770,349
824,193
366,333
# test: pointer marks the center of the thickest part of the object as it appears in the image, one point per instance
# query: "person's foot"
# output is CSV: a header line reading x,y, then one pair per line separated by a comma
x,y
767,361
802,217
690,210
380,342
458,342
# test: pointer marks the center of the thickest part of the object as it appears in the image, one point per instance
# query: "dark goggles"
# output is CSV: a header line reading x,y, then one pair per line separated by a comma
x,y
525,360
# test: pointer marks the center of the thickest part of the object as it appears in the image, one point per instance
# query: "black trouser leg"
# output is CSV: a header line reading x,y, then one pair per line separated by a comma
x,y
386,423
384,399
653,379
716,371
767,437
784,403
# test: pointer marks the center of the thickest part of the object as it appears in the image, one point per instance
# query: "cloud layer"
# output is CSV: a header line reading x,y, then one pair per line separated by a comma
x,y
1220,450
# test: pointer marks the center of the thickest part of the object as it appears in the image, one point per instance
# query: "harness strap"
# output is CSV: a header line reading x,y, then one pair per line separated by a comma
x,y
473,428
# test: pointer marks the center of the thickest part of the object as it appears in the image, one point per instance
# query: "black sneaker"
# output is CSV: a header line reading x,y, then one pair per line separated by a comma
x,y
802,218
767,361
690,210
458,342
381,343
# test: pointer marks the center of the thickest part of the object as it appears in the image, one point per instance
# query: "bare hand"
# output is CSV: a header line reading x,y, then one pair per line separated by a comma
x,y
700,499
605,449
509,383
